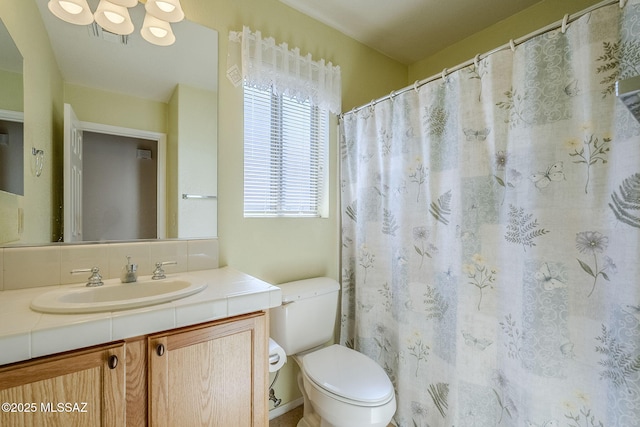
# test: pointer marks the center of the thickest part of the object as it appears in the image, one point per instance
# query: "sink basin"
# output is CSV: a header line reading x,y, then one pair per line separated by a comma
x,y
114,296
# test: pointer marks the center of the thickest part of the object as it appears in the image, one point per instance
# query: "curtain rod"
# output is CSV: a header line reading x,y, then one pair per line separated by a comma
x,y
562,24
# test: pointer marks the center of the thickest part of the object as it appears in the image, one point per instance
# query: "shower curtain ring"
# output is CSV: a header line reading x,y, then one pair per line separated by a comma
x,y
372,106
512,45
623,3
476,60
565,21
392,94
444,75
415,86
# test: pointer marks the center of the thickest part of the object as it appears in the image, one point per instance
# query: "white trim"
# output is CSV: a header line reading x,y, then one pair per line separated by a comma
x,y
161,138
12,116
283,409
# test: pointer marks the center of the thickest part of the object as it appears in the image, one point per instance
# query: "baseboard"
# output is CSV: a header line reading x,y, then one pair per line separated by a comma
x,y
283,409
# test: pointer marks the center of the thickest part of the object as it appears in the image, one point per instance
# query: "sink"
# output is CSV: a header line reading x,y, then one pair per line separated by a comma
x,y
114,295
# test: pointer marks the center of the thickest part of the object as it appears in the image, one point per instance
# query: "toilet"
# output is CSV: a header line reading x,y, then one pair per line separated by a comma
x,y
340,386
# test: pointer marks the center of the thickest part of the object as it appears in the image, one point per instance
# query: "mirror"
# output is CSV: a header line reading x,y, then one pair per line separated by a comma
x,y
117,83
11,117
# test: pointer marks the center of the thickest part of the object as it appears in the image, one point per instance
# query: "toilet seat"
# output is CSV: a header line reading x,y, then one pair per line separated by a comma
x,y
348,376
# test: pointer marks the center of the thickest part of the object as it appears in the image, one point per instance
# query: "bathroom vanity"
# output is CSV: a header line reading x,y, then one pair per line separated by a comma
x,y
200,360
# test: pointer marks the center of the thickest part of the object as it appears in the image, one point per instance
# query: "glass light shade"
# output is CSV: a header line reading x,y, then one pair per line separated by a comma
x,y
125,3
157,31
114,18
167,10
72,11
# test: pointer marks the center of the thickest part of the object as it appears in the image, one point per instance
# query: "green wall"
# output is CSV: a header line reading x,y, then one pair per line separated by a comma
x,y
11,91
116,109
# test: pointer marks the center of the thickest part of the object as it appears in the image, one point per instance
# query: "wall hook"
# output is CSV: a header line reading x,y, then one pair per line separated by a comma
x,y
37,162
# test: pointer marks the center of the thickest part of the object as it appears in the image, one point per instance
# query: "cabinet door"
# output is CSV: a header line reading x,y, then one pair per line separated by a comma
x,y
82,388
210,376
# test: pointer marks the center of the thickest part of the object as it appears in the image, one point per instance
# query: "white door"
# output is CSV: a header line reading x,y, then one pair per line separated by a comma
x,y
72,176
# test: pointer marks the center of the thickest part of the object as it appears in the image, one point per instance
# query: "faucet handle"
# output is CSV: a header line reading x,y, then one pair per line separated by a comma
x,y
158,273
94,280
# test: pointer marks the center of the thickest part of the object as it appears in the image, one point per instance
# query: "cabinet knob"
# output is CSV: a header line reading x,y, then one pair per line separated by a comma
x,y
160,349
113,361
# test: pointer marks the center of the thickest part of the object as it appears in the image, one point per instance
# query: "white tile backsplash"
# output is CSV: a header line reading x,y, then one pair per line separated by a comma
x,y
138,252
172,250
78,257
203,254
29,267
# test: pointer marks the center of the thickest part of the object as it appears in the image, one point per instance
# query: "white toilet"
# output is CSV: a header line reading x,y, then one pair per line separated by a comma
x,y
341,387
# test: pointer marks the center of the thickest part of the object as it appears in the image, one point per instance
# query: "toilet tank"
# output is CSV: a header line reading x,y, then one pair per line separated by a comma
x,y
307,316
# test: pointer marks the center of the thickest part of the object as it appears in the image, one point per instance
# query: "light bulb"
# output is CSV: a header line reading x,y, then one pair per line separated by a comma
x,y
71,8
158,32
114,17
167,10
165,7
72,11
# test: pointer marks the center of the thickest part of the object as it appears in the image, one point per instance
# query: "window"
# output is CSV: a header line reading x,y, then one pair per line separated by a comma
x,y
285,146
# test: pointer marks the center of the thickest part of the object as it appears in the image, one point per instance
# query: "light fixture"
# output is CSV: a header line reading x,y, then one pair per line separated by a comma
x,y
73,11
114,18
167,10
125,3
157,31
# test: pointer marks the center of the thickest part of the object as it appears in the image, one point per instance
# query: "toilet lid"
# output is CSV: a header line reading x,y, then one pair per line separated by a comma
x,y
348,374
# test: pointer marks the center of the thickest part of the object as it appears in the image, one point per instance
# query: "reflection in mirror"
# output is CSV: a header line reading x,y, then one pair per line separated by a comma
x,y
11,117
127,83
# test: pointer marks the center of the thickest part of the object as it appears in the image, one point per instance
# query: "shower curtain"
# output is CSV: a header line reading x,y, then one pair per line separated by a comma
x,y
491,235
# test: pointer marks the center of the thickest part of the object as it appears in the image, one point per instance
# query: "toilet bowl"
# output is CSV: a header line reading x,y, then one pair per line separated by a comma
x,y
340,386
345,389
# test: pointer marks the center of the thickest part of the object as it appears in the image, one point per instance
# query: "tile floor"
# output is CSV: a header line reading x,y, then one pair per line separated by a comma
x,y
291,418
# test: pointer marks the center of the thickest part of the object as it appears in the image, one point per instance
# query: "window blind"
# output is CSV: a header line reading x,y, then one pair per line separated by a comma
x,y
284,155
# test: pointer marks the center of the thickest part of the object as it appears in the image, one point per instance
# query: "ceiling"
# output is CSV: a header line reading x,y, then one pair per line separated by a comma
x,y
137,68
409,30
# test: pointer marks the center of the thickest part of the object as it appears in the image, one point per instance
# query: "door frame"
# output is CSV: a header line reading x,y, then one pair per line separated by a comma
x,y
161,165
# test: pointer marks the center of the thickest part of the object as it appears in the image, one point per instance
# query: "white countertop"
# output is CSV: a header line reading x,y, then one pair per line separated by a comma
x,y
25,334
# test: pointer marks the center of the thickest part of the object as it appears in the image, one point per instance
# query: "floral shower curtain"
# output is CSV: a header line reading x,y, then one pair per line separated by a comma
x,y
491,235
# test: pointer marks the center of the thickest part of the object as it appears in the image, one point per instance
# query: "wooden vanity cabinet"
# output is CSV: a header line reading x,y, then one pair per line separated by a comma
x,y
79,388
210,375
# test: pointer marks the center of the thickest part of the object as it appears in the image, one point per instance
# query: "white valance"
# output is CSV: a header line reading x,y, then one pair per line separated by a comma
x,y
264,65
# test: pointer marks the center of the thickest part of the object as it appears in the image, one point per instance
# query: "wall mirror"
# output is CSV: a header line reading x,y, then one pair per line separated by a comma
x,y
11,116
175,88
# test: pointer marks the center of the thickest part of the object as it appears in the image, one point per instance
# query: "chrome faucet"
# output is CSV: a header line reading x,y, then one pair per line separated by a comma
x,y
94,280
129,272
158,273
